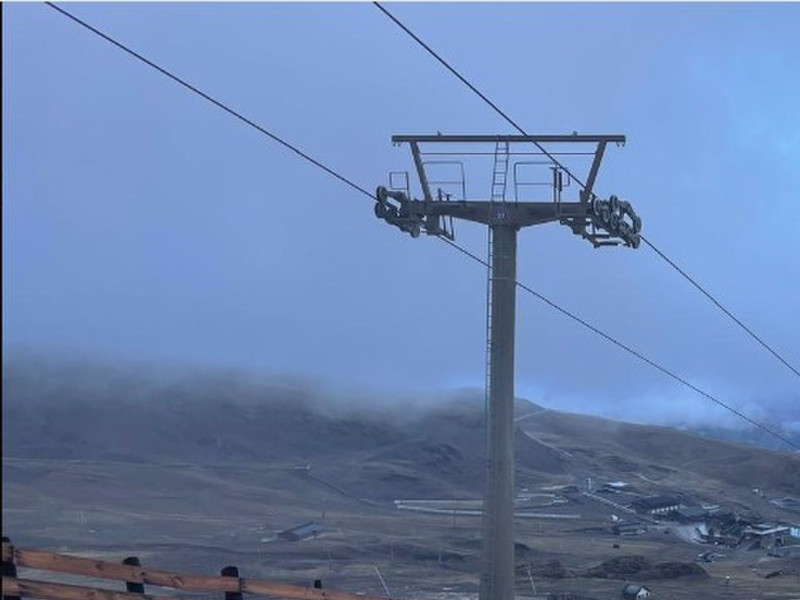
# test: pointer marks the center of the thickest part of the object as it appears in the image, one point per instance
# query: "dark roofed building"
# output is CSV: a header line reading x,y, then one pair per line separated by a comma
x,y
769,536
301,532
625,529
631,591
657,505
691,514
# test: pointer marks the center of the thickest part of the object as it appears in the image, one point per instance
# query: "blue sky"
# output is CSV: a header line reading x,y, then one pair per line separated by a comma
x,y
141,223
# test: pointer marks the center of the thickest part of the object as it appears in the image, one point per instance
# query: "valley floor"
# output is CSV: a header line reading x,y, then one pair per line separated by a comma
x,y
199,518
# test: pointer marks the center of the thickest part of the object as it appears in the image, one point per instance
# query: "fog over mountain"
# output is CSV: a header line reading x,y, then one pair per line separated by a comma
x,y
693,412
142,223
35,380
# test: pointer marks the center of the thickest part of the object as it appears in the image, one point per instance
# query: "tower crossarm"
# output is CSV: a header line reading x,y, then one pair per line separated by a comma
x,y
540,139
602,222
444,196
519,214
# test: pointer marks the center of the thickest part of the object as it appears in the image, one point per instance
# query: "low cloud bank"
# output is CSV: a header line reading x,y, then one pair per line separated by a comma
x,y
31,378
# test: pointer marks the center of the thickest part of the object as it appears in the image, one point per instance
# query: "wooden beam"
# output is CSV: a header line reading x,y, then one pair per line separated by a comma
x,y
29,588
296,592
88,567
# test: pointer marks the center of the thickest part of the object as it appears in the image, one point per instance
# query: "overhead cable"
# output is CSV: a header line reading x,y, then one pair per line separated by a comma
x,y
702,290
199,92
634,352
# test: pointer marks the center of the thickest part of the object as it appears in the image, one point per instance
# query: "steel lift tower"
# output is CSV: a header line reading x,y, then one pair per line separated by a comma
x,y
444,198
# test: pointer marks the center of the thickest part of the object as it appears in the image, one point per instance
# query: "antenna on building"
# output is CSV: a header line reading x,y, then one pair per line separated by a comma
x,y
539,186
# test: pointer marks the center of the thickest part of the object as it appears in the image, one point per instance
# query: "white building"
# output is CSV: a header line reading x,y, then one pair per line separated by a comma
x,y
631,591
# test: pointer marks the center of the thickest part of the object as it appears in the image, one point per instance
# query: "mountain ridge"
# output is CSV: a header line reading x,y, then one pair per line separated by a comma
x,y
381,451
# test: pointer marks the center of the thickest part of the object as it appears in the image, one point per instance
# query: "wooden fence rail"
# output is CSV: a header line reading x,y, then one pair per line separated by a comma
x,y
136,577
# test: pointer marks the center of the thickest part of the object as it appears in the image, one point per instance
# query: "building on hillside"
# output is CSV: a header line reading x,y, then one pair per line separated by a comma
x,y
301,532
632,591
690,514
726,528
656,505
626,529
615,487
768,537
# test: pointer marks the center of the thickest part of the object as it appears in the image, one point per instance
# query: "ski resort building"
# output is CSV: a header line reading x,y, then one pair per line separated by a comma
x,y
656,505
301,532
631,591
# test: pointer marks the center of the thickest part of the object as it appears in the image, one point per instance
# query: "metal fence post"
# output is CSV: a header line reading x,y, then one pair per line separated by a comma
x,y
132,586
231,571
9,569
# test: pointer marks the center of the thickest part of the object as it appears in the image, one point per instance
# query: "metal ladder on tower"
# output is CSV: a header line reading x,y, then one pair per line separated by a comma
x,y
498,195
